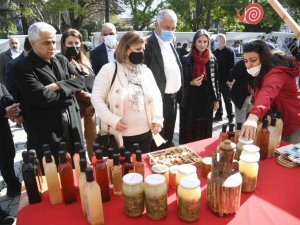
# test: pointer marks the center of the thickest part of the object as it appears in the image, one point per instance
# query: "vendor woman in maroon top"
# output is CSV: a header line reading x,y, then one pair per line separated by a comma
x,y
275,89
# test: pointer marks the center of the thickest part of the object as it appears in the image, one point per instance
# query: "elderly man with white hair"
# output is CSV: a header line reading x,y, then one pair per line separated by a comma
x,y
104,53
161,57
47,85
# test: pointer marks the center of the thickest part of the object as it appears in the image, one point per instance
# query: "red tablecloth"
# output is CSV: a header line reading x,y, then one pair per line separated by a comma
x,y
276,200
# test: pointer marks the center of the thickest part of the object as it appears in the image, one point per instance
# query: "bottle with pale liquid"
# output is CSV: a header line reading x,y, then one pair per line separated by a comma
x,y
273,139
117,175
52,179
279,127
82,183
110,163
76,158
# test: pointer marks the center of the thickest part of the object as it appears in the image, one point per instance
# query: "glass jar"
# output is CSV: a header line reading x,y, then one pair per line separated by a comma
x,y
239,148
185,170
156,196
189,196
206,166
248,167
172,175
161,169
133,194
252,150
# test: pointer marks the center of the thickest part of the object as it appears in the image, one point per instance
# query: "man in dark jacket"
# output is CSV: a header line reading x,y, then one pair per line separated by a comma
x,y
47,85
225,58
161,57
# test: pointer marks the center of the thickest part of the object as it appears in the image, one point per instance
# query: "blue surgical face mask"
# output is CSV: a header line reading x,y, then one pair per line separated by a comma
x,y
216,45
166,35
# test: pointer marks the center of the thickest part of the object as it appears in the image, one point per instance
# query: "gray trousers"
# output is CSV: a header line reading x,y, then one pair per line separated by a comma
x,y
240,114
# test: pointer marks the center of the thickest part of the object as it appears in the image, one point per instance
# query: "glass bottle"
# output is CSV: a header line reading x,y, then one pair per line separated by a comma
x,y
31,184
223,134
279,127
117,175
122,154
76,159
172,176
139,165
185,170
46,148
110,163
82,154
248,167
128,165
133,194
156,196
237,132
189,199
63,147
82,183
262,140
252,150
136,147
239,147
96,147
206,166
66,179
230,132
101,175
162,170
52,179
37,167
92,196
273,139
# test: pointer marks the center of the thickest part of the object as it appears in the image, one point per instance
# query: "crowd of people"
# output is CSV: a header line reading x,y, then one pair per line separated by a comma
x,y
134,86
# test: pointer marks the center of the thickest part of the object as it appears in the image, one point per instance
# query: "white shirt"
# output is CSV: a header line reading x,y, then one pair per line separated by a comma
x,y
110,54
172,70
15,54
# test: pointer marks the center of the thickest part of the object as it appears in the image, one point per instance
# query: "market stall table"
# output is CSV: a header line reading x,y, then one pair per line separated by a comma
x,y
275,201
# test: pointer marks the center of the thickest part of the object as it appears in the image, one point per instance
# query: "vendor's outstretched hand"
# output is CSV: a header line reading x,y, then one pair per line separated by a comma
x,y
249,127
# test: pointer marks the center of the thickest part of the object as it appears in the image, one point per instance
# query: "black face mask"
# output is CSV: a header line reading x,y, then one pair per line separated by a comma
x,y
72,52
136,57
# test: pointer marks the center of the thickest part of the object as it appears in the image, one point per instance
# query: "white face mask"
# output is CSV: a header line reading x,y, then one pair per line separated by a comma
x,y
110,41
254,71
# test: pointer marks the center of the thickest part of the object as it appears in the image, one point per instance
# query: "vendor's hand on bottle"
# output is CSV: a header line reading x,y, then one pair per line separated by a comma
x,y
249,127
197,81
121,126
12,111
156,128
216,106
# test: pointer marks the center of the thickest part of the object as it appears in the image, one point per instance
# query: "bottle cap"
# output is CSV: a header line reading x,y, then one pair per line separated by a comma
x,y
89,174
187,169
99,154
122,151
155,179
245,141
116,159
138,155
239,126
48,156
224,128
62,156
32,152
46,147
82,154
133,178
189,182
83,165
251,148
96,147
136,147
273,122
127,157
110,152
25,156
63,146
160,168
77,147
265,123
231,127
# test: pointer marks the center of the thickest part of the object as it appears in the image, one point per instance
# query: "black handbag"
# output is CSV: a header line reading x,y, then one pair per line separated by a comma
x,y
107,141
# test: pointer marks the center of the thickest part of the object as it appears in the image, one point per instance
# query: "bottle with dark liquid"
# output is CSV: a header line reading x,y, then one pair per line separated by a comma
x,y
31,184
223,134
66,179
63,147
139,165
230,132
122,154
101,174
128,165
37,168
262,139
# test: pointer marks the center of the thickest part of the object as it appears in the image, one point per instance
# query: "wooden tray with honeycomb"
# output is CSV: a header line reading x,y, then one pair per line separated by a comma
x,y
175,156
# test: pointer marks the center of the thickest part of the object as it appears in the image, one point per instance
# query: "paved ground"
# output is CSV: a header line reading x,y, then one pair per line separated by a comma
x,y
11,204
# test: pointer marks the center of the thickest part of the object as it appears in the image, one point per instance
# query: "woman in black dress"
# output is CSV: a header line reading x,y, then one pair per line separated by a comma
x,y
201,90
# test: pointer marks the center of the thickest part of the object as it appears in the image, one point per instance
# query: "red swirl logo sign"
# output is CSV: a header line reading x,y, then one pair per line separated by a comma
x,y
253,14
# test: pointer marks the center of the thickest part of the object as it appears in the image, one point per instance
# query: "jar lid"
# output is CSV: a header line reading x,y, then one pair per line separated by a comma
x,y
155,180
173,169
207,160
160,168
249,158
132,178
189,182
251,148
245,141
187,169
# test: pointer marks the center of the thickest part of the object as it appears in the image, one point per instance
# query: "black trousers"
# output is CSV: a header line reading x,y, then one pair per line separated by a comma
x,y
224,89
144,141
7,155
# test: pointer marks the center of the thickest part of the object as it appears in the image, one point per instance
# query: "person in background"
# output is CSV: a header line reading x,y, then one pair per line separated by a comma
x,y
275,90
225,58
201,90
104,53
183,51
5,57
130,105
239,91
47,84
72,48
162,59
9,109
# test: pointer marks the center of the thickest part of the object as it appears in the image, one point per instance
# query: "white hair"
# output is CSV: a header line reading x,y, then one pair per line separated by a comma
x,y
35,29
109,25
221,36
166,13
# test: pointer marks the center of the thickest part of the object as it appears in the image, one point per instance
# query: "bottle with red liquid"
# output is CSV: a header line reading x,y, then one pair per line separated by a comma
x,y
139,165
262,139
122,155
63,147
96,147
101,174
128,165
230,132
223,134
66,179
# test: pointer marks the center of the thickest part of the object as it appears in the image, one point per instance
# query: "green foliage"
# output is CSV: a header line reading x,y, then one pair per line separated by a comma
x,y
85,34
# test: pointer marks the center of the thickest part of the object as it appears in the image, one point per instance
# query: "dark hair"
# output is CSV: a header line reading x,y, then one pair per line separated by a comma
x,y
267,59
199,33
27,45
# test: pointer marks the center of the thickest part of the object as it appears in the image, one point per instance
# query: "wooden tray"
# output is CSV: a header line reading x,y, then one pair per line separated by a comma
x,y
175,156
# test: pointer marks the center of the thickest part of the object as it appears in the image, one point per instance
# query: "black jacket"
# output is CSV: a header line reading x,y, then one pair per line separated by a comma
x,y
98,58
154,60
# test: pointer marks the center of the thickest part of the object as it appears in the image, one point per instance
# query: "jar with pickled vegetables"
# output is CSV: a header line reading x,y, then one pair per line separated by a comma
x,y
252,150
248,167
239,147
